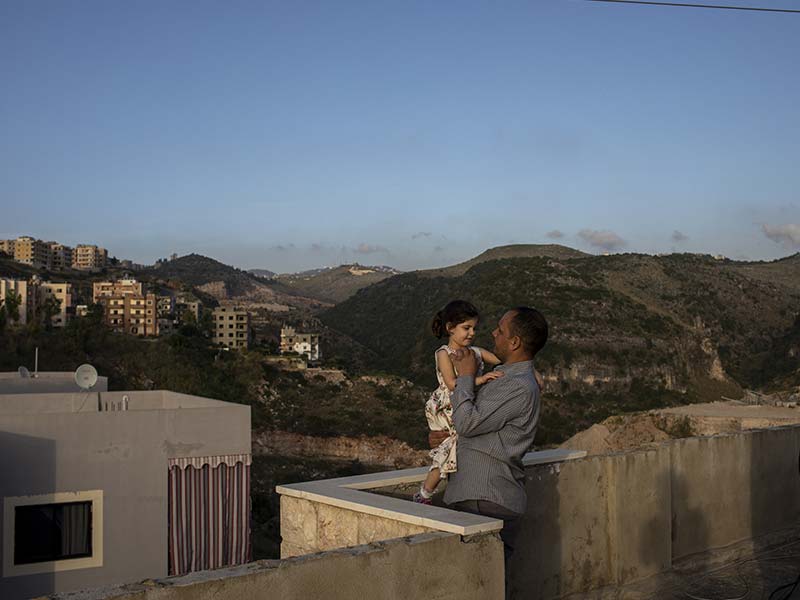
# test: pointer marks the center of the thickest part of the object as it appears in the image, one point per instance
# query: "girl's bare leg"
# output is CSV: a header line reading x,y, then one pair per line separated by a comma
x,y
431,481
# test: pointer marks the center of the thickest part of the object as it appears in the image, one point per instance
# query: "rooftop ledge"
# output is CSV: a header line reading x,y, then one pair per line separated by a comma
x,y
352,493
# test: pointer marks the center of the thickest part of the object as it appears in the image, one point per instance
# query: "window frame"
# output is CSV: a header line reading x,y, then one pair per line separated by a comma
x,y
10,503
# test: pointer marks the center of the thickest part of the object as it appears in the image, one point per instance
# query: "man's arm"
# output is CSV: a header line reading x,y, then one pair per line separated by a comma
x,y
497,404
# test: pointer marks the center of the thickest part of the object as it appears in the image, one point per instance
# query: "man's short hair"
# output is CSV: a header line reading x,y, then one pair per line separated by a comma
x,y
531,328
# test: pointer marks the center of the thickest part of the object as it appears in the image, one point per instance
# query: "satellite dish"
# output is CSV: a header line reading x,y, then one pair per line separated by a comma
x,y
86,377
24,373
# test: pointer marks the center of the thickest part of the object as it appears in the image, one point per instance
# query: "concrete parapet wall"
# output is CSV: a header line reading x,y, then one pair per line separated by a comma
x,y
433,565
730,488
612,519
308,527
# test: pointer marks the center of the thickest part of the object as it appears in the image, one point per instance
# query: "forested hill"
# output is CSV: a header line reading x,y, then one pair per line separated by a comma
x,y
196,270
679,323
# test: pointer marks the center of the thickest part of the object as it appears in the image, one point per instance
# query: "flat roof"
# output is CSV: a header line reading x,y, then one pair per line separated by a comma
x,y
45,382
92,402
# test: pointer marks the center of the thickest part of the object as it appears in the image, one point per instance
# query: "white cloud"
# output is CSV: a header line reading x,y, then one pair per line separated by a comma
x,y
421,234
607,240
555,234
678,236
788,235
370,249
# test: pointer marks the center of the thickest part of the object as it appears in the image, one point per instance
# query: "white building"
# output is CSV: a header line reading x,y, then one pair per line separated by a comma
x,y
305,344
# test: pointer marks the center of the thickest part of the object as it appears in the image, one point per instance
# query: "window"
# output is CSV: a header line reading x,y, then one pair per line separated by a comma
x,y
52,532
47,532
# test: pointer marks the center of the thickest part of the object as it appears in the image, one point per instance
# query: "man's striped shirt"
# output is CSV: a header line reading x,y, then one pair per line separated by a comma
x,y
495,429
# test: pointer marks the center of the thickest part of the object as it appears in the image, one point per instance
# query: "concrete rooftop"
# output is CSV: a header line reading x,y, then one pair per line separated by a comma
x,y
39,403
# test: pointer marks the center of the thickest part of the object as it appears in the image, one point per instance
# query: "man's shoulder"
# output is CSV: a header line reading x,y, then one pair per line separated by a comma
x,y
516,382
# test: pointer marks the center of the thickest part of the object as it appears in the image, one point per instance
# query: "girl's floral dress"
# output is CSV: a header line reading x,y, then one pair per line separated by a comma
x,y
439,412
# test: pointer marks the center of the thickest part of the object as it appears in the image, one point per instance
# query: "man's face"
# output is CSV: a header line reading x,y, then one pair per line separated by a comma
x,y
502,336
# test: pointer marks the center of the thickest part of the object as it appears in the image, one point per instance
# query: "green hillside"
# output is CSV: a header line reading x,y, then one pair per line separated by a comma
x,y
196,270
627,331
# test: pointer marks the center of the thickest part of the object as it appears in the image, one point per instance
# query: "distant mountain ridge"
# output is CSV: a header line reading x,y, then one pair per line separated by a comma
x,y
335,284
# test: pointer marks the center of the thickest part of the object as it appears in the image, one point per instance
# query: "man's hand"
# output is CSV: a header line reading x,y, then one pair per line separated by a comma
x,y
465,362
488,377
437,437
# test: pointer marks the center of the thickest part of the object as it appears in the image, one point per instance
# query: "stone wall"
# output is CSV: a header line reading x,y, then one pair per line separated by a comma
x,y
433,565
308,527
612,519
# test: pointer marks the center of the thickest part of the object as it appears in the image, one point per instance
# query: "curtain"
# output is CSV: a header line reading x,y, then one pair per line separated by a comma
x,y
209,513
76,528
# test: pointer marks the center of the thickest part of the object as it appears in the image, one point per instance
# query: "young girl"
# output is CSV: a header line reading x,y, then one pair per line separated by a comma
x,y
458,320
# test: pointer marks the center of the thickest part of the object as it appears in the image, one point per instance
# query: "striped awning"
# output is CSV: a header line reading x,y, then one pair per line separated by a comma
x,y
199,462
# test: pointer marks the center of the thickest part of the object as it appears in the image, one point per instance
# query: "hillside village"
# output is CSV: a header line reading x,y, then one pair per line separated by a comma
x,y
635,339
629,332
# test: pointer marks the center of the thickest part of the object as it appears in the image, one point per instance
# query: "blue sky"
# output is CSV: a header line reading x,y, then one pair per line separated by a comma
x,y
293,135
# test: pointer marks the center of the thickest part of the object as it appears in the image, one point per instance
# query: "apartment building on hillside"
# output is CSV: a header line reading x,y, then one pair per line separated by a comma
x,y
183,306
54,255
60,256
305,344
7,247
121,287
33,252
231,328
88,257
131,313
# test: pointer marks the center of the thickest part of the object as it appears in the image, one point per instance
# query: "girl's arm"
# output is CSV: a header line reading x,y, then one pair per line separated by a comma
x,y
489,358
445,366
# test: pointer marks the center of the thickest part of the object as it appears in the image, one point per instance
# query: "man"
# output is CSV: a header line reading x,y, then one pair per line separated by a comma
x,y
497,425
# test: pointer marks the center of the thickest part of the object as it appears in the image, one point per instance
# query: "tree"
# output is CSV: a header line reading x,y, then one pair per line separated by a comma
x,y
12,304
50,308
206,323
95,314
